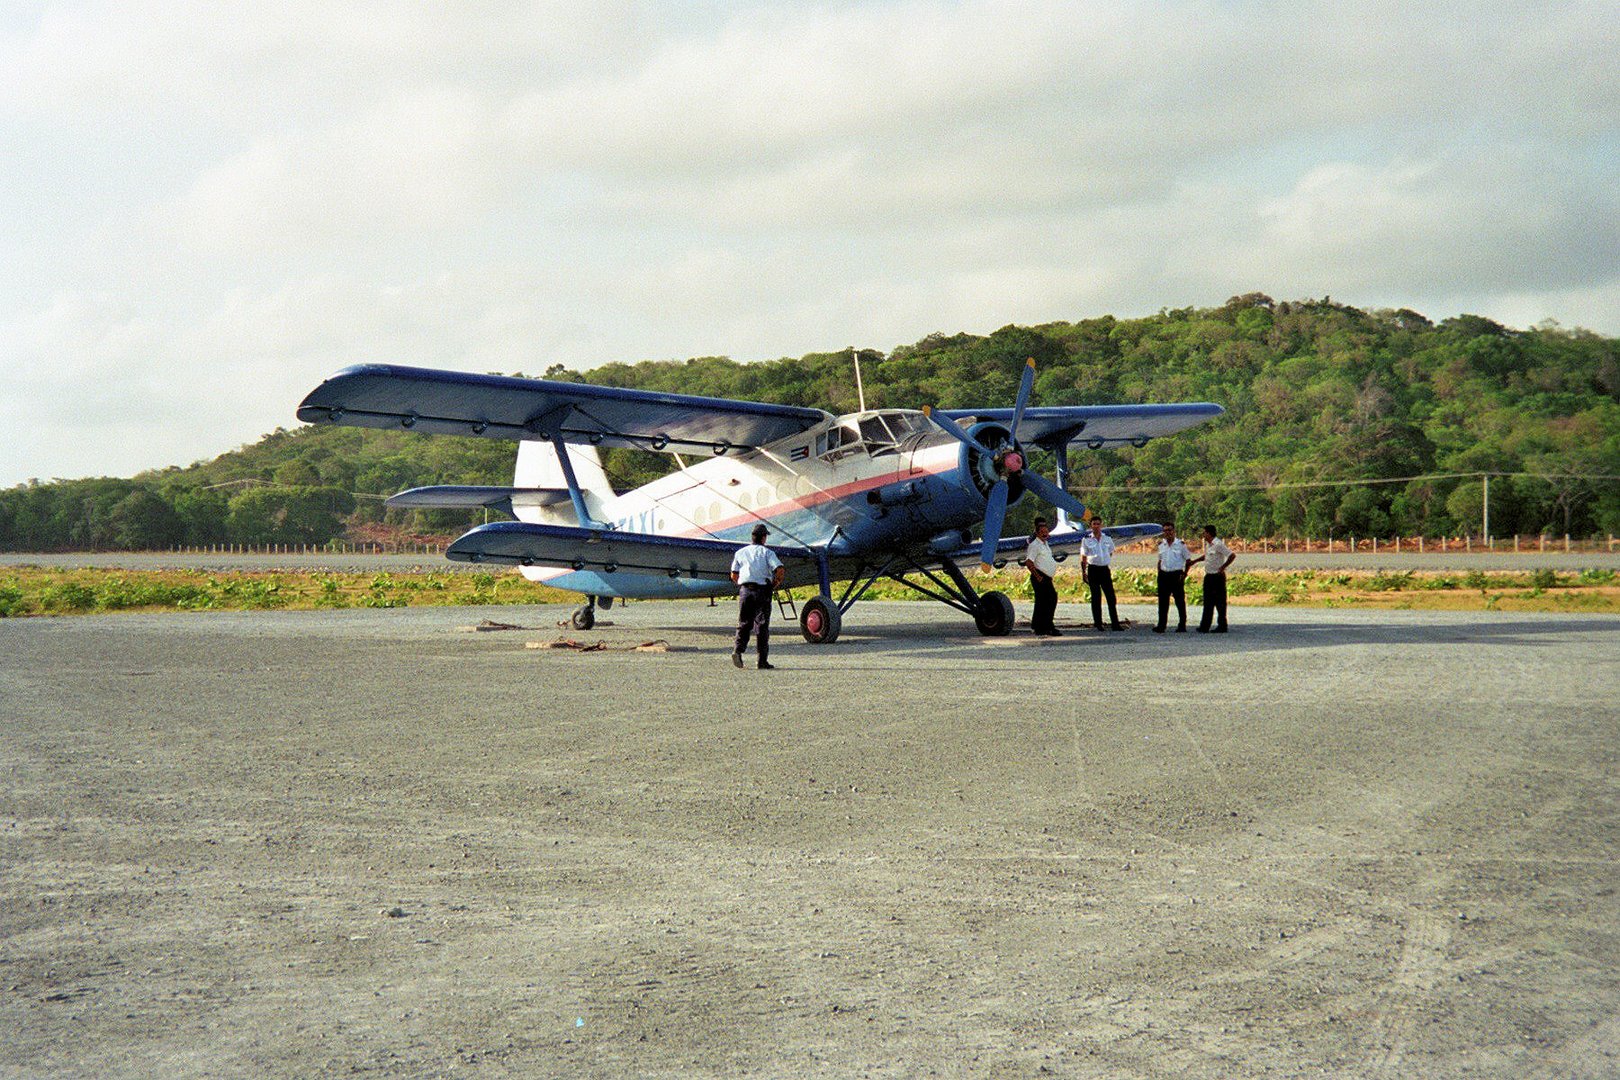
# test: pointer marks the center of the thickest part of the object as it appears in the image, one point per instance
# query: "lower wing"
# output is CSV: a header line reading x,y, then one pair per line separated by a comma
x,y
521,543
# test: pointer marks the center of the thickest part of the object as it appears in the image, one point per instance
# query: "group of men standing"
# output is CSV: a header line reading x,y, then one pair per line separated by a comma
x,y
1096,562
757,571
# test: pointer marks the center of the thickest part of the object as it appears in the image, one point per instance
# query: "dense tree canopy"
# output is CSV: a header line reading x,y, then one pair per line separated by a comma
x,y
1321,398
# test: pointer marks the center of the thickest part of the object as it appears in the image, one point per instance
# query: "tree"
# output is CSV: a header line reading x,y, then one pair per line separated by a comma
x,y
142,521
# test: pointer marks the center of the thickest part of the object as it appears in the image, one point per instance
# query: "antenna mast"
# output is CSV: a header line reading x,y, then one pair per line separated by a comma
x,y
860,391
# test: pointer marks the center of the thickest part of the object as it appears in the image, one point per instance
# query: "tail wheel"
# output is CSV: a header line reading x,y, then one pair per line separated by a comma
x,y
819,621
584,617
995,616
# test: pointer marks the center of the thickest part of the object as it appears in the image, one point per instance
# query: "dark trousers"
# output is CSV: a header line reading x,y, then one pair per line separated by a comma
x,y
1101,580
1045,603
1214,601
1173,585
754,615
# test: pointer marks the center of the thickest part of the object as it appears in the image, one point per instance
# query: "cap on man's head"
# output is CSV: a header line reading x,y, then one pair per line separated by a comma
x,y
760,533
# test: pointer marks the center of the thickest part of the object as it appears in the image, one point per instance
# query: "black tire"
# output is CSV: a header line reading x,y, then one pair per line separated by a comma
x,y
819,621
996,616
584,617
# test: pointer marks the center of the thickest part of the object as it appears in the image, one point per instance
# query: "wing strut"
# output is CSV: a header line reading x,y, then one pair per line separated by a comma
x,y
574,493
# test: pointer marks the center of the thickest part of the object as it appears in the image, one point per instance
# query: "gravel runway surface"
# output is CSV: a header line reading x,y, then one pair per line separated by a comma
x,y
361,842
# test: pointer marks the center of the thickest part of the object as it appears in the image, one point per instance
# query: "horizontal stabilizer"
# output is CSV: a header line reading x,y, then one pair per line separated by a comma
x,y
519,543
471,497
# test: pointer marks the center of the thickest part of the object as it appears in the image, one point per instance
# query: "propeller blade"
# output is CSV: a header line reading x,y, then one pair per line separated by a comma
x,y
1025,385
953,429
1053,494
995,513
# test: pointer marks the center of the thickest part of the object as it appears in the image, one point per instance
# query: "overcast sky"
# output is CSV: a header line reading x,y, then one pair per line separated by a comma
x,y
207,206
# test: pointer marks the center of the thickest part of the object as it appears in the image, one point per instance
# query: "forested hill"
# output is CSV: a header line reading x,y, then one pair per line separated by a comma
x,y
1318,395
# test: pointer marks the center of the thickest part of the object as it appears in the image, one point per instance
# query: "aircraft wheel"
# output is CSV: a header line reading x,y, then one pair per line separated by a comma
x,y
819,621
996,616
584,617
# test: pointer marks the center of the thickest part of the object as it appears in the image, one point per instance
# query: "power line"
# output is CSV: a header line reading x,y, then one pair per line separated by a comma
x,y
1356,483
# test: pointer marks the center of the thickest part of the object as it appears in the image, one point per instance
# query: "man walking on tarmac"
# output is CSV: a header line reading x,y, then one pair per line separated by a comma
x,y
756,571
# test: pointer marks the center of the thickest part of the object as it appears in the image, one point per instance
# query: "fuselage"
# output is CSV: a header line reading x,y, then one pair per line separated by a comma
x,y
861,486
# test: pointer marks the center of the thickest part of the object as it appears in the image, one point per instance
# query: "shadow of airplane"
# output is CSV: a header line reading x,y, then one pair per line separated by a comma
x,y
1314,629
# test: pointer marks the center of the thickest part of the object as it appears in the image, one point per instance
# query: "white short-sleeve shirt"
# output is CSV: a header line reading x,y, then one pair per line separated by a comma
x,y
755,565
1216,556
1173,555
1039,552
1099,550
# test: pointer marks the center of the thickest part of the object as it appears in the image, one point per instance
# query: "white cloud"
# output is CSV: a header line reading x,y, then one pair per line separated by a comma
x,y
208,206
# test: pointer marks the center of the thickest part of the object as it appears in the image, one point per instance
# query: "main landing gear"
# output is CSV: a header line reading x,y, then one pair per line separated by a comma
x,y
820,621
995,615
821,617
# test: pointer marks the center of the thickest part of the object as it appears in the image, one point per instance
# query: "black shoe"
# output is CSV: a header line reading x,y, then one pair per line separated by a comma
x,y
736,659
763,666
1116,626
1158,629
1203,629
1219,630
1099,628
1181,629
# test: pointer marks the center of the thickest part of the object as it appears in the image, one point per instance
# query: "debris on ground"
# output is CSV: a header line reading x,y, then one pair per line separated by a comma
x,y
656,645
490,624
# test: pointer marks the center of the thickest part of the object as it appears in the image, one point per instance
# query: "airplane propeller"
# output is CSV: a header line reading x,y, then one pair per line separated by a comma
x,y
1008,462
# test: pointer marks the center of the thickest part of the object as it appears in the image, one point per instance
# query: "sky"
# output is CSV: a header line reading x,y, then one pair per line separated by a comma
x,y
208,206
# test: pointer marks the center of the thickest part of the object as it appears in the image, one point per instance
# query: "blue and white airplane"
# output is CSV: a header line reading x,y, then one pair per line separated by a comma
x,y
887,493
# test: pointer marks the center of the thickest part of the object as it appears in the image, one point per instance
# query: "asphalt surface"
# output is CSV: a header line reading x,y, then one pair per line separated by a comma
x,y
362,842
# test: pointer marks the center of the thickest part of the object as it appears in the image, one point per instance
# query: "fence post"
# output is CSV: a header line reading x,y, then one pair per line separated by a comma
x,y
1566,543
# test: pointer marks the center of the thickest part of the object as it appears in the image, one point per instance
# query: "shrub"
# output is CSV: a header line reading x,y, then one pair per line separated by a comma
x,y
11,602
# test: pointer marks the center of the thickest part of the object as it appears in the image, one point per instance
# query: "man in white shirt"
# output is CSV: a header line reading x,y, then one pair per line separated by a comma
x,y
1042,568
1096,561
1173,556
1216,558
757,571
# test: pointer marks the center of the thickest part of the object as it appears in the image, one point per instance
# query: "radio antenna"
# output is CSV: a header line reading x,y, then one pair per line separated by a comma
x,y
860,391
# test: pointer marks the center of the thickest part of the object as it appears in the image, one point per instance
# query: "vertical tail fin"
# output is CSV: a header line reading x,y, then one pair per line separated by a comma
x,y
538,466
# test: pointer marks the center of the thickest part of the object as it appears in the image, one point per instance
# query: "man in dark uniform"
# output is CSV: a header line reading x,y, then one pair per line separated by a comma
x,y
756,571
1096,560
1216,558
1173,556
1042,567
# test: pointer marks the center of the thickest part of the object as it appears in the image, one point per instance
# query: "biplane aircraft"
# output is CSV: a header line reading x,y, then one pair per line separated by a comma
x,y
886,493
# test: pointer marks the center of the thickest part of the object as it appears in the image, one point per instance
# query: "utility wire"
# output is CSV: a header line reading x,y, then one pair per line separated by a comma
x,y
1353,483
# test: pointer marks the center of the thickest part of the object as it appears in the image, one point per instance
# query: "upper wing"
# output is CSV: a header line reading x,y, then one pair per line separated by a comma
x,y
501,407
1097,425
514,543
